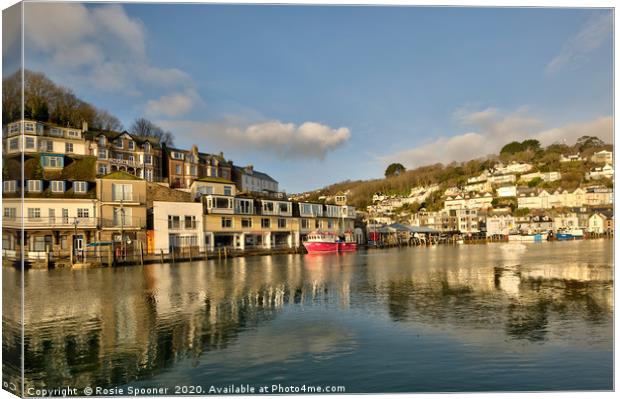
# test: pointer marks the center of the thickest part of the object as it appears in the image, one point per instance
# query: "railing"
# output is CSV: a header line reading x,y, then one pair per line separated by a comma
x,y
127,223
51,222
184,226
125,198
126,162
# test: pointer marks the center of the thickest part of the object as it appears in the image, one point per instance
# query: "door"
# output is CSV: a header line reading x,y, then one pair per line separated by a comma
x,y
78,247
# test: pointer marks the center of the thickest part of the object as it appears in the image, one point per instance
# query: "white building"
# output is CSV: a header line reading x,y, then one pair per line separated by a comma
x,y
466,202
513,167
250,180
565,221
544,176
606,171
507,191
603,156
571,158
502,179
177,225
500,225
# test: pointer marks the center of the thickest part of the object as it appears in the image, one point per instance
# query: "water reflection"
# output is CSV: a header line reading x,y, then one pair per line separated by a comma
x,y
112,326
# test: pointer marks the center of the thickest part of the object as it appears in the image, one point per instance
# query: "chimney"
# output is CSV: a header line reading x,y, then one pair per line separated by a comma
x,y
249,168
84,126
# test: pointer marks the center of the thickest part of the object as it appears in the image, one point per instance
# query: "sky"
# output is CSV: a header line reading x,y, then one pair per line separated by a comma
x,y
313,95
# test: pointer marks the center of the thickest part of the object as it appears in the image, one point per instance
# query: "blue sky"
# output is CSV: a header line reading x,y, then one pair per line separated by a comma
x,y
314,95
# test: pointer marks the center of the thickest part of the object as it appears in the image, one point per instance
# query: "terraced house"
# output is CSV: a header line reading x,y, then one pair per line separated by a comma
x,y
122,151
58,213
182,167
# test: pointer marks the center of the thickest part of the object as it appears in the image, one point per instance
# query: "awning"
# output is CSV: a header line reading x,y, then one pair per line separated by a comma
x,y
99,244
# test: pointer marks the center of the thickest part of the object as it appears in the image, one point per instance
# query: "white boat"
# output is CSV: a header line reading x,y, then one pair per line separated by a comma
x,y
528,237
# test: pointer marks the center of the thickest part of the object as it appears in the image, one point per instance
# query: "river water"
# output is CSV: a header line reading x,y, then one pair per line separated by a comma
x,y
495,317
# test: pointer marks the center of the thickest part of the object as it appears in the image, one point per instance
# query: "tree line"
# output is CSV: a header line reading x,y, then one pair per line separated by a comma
x,y
47,101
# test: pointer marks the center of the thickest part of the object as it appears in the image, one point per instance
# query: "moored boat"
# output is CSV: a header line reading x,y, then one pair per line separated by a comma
x,y
319,242
528,237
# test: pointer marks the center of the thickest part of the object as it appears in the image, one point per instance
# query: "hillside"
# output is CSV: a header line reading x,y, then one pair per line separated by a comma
x,y
360,192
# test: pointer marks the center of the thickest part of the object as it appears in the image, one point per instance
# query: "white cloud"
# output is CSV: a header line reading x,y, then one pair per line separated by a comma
x,y
284,140
492,129
577,49
176,104
96,47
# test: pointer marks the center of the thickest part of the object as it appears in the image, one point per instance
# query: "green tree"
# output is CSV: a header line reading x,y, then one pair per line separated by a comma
x,y
394,169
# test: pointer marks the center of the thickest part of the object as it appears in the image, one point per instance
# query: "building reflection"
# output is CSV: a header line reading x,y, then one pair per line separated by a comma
x,y
108,327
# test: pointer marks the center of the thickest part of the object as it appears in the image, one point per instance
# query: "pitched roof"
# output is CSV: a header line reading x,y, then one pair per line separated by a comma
x,y
255,173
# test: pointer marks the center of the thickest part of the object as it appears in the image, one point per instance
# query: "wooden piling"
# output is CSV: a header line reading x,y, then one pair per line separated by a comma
x,y
141,254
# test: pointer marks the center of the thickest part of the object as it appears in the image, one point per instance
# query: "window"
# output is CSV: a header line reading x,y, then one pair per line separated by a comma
x,y
40,243
148,174
131,145
130,158
244,206
330,224
102,153
9,213
246,222
147,147
49,146
267,207
281,223
69,147
190,222
177,155
119,157
174,222
65,215
122,216
82,212
227,190
29,127
222,203
193,170
80,187
177,169
148,159
102,169
14,144
226,222
118,143
34,186
122,192
52,162
55,132
284,207
29,142
101,141
58,186
9,186
73,133
51,215
305,224
14,128
265,223
34,213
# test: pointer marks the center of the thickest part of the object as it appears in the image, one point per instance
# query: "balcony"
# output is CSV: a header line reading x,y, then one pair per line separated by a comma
x,y
126,223
126,198
50,222
125,162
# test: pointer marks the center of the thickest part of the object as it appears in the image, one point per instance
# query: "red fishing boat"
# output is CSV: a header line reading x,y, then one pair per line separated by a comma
x,y
321,242
318,242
